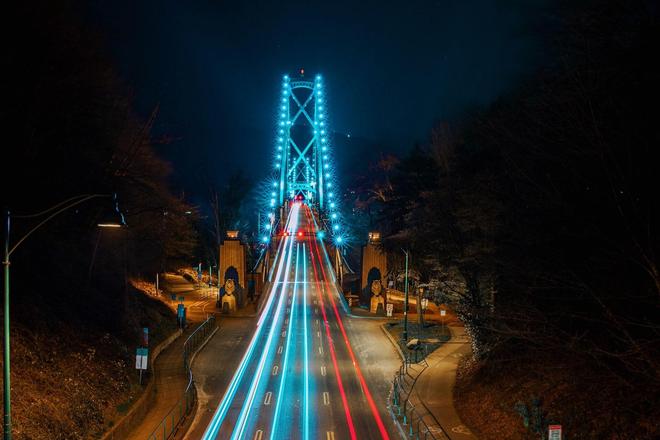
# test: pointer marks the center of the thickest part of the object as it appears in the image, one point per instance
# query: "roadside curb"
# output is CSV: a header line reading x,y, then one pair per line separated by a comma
x,y
124,425
392,341
190,417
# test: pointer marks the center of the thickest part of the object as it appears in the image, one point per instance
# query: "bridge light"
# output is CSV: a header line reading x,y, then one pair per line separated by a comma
x,y
282,114
324,148
325,157
320,100
321,108
286,77
268,226
281,122
264,239
322,131
326,166
334,215
288,122
279,147
284,92
331,194
320,234
339,239
329,185
322,139
281,131
272,193
321,116
283,99
335,227
274,184
332,205
322,124
277,165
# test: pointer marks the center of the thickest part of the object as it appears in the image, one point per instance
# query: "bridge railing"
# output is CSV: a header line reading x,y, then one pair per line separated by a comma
x,y
174,419
416,420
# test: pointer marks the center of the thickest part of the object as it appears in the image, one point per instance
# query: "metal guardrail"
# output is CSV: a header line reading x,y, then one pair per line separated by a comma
x,y
178,413
410,417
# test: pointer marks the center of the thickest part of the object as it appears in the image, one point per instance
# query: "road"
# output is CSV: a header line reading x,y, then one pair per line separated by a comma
x,y
300,377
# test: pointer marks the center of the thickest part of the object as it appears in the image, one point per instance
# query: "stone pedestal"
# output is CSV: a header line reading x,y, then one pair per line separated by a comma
x,y
374,266
233,265
377,302
228,304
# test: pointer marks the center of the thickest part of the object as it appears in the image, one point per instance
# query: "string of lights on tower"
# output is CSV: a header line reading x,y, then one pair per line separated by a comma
x,y
303,167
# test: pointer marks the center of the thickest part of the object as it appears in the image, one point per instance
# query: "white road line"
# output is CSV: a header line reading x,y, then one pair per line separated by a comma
x,y
269,397
279,350
323,370
321,350
326,398
275,370
330,435
284,333
260,434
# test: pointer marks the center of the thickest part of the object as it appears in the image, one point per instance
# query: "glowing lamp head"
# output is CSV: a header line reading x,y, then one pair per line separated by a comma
x,y
300,233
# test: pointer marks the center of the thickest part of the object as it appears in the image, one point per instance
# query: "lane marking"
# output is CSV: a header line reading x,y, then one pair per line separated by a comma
x,y
286,353
279,350
326,398
275,370
259,435
321,351
363,383
269,396
241,422
284,333
306,362
323,370
220,414
333,356
330,435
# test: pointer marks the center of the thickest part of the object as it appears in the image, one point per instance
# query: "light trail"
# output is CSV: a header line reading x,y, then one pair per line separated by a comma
x,y
286,351
247,404
306,359
220,414
333,356
363,383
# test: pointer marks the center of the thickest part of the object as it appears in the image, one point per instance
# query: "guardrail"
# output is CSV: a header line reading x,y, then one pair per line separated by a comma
x,y
411,417
178,413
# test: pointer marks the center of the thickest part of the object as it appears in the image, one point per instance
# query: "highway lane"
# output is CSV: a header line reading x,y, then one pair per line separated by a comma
x,y
300,378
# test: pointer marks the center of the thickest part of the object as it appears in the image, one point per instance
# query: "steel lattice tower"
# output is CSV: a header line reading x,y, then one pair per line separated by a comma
x,y
302,142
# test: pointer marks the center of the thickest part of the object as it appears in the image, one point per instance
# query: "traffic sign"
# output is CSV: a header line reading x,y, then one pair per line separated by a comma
x,y
443,312
390,309
141,358
554,432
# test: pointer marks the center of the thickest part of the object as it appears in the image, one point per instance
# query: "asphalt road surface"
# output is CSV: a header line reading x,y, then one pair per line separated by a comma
x,y
300,376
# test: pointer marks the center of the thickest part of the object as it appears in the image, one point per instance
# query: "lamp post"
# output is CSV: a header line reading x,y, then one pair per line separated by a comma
x,y
50,213
405,301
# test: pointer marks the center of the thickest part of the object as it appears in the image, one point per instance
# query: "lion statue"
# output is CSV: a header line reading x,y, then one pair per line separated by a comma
x,y
376,287
230,287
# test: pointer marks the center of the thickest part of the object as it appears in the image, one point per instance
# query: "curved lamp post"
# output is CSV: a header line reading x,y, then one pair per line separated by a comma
x,y
50,213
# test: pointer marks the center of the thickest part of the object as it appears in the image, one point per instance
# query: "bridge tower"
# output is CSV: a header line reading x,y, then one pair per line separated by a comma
x,y
302,159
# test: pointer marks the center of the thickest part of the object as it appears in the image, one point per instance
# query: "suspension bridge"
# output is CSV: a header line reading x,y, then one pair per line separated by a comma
x,y
300,377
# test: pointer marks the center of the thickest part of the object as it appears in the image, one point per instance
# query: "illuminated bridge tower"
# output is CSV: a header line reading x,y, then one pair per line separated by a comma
x,y
302,158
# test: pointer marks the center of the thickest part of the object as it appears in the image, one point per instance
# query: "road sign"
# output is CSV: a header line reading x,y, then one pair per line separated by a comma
x,y
145,336
141,358
425,303
390,309
554,432
179,311
443,312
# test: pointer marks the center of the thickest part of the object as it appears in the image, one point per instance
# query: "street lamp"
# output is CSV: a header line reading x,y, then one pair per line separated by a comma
x,y
50,213
405,301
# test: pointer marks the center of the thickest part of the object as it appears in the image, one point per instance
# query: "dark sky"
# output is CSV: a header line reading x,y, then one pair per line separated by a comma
x,y
391,68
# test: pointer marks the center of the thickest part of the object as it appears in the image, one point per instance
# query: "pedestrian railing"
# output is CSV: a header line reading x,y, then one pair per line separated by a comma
x,y
170,424
417,422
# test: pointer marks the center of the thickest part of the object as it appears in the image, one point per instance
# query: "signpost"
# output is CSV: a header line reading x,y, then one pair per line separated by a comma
x,y
390,309
181,315
141,360
554,432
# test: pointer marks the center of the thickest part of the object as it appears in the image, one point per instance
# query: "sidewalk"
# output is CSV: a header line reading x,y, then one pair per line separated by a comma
x,y
429,387
170,379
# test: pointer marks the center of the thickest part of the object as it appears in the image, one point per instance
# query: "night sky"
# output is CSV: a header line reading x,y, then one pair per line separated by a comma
x,y
391,69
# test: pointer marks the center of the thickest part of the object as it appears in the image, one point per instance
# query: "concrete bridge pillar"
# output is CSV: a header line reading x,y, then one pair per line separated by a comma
x,y
233,264
374,268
